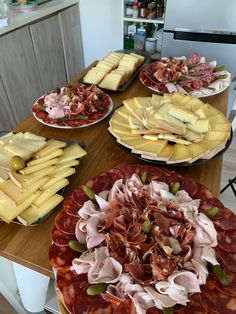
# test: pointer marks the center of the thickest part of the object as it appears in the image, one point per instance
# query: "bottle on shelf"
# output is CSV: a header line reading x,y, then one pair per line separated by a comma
x,y
135,10
129,8
159,8
139,38
143,9
151,10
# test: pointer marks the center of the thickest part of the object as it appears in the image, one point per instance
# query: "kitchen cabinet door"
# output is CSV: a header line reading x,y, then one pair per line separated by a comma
x,y
7,120
72,41
19,73
48,48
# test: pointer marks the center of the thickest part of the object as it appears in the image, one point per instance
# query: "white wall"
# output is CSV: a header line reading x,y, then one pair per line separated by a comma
x,y
101,27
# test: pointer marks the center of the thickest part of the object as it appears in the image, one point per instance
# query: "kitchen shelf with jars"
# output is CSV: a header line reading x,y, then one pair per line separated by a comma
x,y
143,23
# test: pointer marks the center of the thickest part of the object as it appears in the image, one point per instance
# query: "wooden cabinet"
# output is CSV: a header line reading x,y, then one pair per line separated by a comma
x,y
35,59
19,73
72,41
47,42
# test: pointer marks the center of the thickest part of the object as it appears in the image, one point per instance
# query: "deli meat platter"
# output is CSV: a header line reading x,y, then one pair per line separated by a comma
x,y
192,75
143,239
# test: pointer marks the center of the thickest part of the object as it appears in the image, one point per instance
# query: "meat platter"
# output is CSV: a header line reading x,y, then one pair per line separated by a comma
x,y
73,107
191,75
142,239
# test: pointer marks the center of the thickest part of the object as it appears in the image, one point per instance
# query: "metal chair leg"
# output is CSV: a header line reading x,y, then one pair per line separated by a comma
x,y
230,184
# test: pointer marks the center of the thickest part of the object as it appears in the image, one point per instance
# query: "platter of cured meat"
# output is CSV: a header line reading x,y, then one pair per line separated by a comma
x,y
73,107
143,239
173,129
191,75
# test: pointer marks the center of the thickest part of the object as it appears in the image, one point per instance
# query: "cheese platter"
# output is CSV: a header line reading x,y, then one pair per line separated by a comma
x,y
177,129
191,75
36,171
72,107
117,70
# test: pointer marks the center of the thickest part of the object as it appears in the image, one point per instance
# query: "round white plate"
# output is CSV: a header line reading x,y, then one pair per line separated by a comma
x,y
196,96
110,107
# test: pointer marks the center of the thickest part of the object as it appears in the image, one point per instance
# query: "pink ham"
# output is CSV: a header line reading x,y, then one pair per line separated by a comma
x,y
102,203
206,234
83,263
160,300
116,192
186,279
142,302
132,186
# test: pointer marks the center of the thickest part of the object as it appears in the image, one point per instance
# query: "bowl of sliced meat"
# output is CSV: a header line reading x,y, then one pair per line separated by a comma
x,y
72,107
191,75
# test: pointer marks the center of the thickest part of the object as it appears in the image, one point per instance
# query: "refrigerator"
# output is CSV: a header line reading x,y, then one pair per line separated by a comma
x,y
204,26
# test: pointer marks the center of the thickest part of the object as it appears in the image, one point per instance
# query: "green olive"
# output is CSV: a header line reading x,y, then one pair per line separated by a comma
x,y
17,162
97,289
211,212
175,188
76,246
146,226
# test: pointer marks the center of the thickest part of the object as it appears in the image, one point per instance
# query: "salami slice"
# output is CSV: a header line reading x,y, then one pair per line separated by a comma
x,y
82,301
60,238
189,186
128,170
213,202
127,307
203,193
215,301
227,240
61,256
194,306
228,221
66,223
65,276
227,258
71,207
79,196
230,288
100,305
100,183
154,310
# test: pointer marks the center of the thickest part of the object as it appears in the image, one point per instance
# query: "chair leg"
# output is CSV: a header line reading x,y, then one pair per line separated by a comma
x,y
230,184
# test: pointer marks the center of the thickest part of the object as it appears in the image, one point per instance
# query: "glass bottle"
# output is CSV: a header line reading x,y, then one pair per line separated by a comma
x,y
135,10
143,11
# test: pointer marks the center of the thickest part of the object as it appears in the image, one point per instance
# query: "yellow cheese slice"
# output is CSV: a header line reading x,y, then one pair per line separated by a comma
x,y
195,104
31,136
177,98
16,195
123,111
58,175
43,159
5,159
199,112
118,130
200,126
216,136
209,110
185,101
31,214
155,101
163,110
134,142
215,147
4,174
198,150
111,81
24,147
181,153
120,119
49,192
32,169
142,101
166,153
50,146
9,211
67,164
222,127
24,181
171,127
72,152
153,148
193,136
218,118
183,114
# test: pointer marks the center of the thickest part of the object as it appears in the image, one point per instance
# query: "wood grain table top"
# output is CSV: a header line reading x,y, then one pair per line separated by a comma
x,y
29,246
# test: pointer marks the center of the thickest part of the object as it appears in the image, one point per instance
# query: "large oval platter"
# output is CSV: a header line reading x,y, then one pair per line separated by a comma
x,y
139,232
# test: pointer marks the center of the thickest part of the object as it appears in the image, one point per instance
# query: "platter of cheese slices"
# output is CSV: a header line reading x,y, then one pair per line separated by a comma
x,y
116,70
33,172
170,129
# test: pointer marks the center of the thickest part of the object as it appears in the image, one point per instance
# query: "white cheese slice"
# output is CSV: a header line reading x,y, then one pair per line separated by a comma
x,y
16,195
142,101
50,146
43,159
24,181
177,98
93,76
31,136
4,174
32,169
67,164
9,211
200,126
24,147
72,152
49,192
5,159
183,114
31,214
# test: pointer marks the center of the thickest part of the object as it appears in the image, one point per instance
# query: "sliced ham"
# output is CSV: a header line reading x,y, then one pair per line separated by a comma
x,y
206,234
102,203
142,302
83,263
186,279
160,300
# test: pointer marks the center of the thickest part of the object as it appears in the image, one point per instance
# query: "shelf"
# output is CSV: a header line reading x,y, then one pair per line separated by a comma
x,y
144,20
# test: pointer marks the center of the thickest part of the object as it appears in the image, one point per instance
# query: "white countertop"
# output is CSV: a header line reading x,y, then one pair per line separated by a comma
x,y
20,19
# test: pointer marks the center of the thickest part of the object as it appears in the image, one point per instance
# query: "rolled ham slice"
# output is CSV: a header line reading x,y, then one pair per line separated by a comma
x,y
186,279
171,88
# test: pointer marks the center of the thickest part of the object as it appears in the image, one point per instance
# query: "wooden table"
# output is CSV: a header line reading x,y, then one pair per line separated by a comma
x,y
29,245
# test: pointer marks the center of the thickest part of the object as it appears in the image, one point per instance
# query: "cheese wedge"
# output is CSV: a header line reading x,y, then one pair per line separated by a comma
x,y
93,76
50,146
198,150
61,174
111,81
130,141
43,159
153,148
32,169
16,195
24,147
71,152
9,211
216,136
183,114
31,214
67,164
118,130
181,153
49,192
25,181
166,153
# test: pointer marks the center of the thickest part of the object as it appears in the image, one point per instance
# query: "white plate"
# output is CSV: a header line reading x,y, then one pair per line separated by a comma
x,y
214,92
110,107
